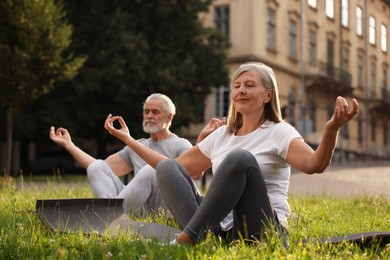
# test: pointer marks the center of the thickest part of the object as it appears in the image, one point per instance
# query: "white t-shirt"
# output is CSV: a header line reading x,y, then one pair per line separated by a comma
x,y
171,147
269,144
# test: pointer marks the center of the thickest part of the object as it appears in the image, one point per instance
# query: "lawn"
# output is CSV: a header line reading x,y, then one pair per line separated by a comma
x,y
24,237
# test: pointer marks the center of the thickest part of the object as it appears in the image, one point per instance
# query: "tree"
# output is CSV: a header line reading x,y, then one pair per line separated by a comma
x,y
134,48
34,36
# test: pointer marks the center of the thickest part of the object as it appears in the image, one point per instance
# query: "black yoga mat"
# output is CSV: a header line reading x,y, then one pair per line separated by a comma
x,y
97,216
363,238
107,215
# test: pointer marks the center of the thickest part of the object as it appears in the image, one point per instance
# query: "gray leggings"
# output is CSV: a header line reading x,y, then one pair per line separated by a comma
x,y
238,185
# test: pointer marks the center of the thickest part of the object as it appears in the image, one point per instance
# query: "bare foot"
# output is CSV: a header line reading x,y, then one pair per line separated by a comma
x,y
184,239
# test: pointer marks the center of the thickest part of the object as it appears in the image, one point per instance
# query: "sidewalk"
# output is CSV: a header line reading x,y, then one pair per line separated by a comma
x,y
347,180
344,180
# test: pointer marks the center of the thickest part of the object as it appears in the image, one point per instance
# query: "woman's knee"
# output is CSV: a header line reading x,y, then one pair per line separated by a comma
x,y
240,157
165,169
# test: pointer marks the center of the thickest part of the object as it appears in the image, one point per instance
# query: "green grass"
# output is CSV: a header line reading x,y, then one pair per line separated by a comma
x,y
22,236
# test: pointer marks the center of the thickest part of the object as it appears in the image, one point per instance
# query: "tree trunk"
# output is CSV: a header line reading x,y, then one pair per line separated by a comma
x,y
9,142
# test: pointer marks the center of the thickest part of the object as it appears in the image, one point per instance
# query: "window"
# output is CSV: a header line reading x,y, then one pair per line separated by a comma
x,y
291,108
384,38
330,110
384,80
221,101
344,59
373,131
221,20
359,21
330,57
344,66
271,29
372,30
345,131
312,48
373,78
344,13
312,3
360,70
385,134
293,39
360,128
312,115
330,8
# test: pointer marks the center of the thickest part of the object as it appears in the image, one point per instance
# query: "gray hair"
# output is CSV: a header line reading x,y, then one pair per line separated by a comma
x,y
168,106
272,110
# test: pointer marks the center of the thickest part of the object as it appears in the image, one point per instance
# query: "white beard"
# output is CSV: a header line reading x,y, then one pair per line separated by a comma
x,y
152,128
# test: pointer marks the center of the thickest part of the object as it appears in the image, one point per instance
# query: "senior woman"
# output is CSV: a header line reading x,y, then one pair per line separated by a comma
x,y
250,157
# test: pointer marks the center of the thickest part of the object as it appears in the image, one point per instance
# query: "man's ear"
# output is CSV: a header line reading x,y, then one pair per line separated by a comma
x,y
169,117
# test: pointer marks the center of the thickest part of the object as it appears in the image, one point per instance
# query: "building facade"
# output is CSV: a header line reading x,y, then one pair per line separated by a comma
x,y
319,49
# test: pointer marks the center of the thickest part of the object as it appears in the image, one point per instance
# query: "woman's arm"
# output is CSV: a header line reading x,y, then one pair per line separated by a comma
x,y
150,156
302,157
193,160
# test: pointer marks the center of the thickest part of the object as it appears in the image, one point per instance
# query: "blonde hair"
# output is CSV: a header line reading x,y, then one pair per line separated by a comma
x,y
272,110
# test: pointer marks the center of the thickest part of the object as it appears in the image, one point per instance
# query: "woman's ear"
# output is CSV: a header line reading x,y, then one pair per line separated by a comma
x,y
269,94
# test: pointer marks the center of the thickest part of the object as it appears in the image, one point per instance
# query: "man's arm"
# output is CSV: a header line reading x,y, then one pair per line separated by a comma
x,y
62,137
118,165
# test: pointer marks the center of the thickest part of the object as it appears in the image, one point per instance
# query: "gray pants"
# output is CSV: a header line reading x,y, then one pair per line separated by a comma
x,y
237,185
141,195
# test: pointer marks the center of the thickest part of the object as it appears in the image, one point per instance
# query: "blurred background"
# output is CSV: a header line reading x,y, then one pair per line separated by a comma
x,y
70,63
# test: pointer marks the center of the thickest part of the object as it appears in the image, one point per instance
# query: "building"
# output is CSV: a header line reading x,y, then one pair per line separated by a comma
x,y
318,50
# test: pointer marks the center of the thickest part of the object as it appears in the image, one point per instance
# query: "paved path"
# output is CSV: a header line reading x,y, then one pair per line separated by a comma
x,y
352,180
341,180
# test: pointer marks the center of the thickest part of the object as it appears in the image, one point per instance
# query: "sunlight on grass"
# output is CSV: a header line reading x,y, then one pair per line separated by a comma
x,y
22,236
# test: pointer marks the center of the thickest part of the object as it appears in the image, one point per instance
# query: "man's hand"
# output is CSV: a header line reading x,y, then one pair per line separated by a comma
x,y
122,133
60,136
214,124
341,113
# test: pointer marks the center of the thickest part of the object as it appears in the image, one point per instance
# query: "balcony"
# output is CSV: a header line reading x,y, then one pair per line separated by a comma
x,y
325,77
381,104
385,94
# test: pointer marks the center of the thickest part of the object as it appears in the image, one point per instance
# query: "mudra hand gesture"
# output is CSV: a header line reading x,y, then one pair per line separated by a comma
x,y
122,133
342,114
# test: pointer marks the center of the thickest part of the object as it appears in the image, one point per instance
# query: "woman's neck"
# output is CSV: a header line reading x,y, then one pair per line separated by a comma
x,y
249,125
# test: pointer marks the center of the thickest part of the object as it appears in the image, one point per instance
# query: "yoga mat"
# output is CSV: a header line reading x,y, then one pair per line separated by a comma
x,y
363,238
98,215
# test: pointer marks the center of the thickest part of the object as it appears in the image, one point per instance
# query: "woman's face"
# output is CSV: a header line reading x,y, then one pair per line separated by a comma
x,y
248,93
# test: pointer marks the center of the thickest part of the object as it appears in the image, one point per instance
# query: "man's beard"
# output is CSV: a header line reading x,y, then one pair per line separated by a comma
x,y
152,128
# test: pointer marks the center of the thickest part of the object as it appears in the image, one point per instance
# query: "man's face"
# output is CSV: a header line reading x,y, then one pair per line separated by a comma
x,y
155,118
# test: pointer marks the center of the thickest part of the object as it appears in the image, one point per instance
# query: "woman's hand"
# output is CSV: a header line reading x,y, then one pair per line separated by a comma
x,y
341,113
302,157
213,125
122,133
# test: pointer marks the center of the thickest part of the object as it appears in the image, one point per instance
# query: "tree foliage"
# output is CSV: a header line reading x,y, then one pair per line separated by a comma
x,y
34,36
134,48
